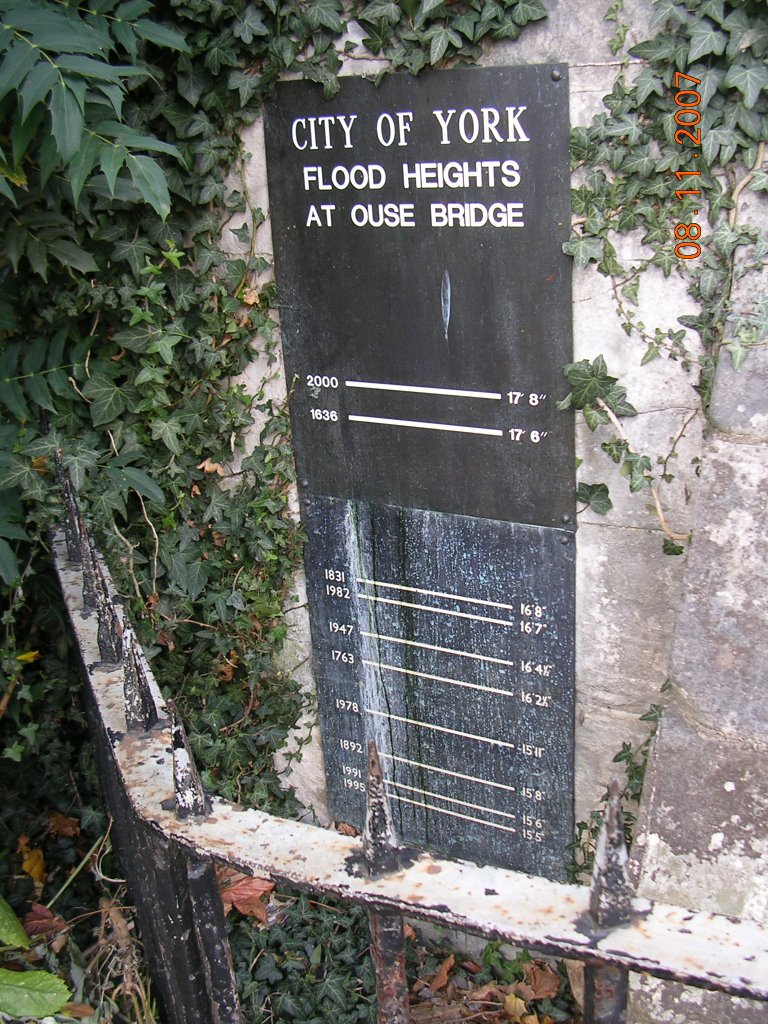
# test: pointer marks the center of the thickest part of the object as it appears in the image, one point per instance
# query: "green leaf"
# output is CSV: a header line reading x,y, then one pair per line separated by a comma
x,y
427,7
111,160
324,14
15,66
706,38
589,381
82,165
11,930
440,39
160,35
143,483
528,10
106,398
249,25
382,10
168,431
50,30
197,577
90,68
66,120
72,255
596,497
36,87
149,178
31,993
583,248
750,80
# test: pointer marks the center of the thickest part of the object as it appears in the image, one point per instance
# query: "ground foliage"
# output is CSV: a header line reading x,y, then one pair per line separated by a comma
x,y
625,163
312,965
123,328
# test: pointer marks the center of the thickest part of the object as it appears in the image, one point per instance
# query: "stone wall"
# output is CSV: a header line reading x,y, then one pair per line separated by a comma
x,y
627,589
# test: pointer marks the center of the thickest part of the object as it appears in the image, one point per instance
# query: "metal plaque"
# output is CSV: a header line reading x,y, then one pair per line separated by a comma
x,y
424,294
449,640
426,315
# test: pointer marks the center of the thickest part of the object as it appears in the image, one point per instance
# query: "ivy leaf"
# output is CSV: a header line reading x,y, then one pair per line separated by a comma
x,y
149,178
583,248
382,10
589,381
528,10
667,11
35,994
169,432
750,80
250,24
665,259
106,398
706,38
324,14
197,577
440,39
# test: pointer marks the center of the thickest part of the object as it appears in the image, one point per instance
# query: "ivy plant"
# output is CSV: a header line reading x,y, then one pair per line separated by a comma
x,y
627,160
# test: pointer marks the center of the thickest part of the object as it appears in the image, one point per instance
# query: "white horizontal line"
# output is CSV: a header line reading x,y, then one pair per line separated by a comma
x,y
437,611
441,650
453,814
413,389
441,679
446,771
440,728
424,425
436,593
451,799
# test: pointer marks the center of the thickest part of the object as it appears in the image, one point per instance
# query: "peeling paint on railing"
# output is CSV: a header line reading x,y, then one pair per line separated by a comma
x,y
605,925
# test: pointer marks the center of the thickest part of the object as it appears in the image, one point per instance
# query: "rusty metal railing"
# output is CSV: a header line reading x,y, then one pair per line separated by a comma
x,y
167,825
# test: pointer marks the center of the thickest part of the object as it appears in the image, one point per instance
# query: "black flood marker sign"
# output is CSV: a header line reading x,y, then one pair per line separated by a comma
x,y
425,306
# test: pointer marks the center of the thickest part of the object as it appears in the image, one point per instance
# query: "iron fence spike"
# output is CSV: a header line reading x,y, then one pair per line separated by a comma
x,y
88,562
140,711
190,795
380,847
71,510
108,632
612,890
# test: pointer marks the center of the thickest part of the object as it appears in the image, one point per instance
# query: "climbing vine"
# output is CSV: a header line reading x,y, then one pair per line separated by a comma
x,y
625,162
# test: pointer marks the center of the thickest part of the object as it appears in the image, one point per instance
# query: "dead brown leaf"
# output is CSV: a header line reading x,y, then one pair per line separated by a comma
x,y
211,467
251,296
345,829
59,825
543,981
42,921
440,979
515,1008
165,638
77,1010
244,893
